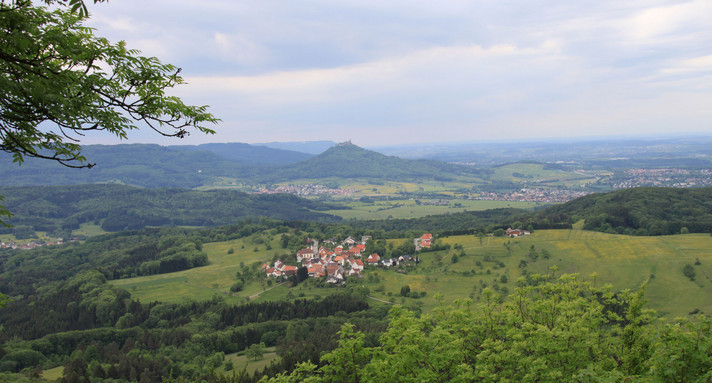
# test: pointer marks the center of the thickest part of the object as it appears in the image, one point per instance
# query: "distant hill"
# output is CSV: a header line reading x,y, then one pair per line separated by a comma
x,y
250,154
309,147
350,161
145,165
149,165
119,207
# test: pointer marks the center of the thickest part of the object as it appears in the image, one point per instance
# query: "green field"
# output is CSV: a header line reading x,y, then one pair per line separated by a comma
x,y
203,282
241,361
538,174
410,209
88,229
623,261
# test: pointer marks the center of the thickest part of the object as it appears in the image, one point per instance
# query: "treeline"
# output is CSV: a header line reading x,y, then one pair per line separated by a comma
x,y
61,209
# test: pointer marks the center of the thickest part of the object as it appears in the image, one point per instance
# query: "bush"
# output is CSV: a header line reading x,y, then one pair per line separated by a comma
x,y
405,290
689,271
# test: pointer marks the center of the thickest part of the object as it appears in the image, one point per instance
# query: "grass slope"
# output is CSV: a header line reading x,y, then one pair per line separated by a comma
x,y
625,262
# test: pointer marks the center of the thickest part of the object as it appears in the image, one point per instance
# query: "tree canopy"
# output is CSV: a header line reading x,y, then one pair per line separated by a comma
x,y
60,81
559,330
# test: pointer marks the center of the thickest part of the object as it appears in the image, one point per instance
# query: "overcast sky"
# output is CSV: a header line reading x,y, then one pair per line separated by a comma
x,y
389,72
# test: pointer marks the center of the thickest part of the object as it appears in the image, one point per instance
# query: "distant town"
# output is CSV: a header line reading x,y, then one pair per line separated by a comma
x,y
534,195
306,190
680,178
33,244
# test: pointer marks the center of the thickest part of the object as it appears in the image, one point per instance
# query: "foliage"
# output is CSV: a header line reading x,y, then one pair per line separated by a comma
x,y
57,73
255,351
565,330
60,81
689,271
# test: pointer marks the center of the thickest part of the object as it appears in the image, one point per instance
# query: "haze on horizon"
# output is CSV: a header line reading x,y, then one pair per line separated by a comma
x,y
404,72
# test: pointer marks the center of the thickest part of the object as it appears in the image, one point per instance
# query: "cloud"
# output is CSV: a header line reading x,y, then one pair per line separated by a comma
x,y
665,20
693,65
399,70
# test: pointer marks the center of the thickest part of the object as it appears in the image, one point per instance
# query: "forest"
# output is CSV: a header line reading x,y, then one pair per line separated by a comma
x,y
61,209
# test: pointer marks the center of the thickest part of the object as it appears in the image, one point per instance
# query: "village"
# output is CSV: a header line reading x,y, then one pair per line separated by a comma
x,y
337,261
33,244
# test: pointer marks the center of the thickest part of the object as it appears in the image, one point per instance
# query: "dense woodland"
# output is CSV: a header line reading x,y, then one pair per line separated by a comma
x,y
61,209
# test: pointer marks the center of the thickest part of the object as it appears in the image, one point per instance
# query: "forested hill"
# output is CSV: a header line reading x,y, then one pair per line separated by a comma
x,y
117,207
348,160
640,211
144,165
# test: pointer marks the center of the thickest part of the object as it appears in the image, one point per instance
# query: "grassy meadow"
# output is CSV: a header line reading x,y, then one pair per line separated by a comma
x,y
625,262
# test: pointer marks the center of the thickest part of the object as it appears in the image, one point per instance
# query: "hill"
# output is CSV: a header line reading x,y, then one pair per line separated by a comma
x,y
149,165
145,165
309,147
249,154
350,161
638,211
61,209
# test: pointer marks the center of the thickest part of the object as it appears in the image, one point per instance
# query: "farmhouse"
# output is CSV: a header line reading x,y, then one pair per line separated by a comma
x,y
511,233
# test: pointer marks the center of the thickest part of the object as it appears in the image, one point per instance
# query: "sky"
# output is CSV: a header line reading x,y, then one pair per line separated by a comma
x,y
405,72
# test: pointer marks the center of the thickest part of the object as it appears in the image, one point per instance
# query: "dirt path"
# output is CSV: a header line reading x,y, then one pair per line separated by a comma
x,y
380,300
264,291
